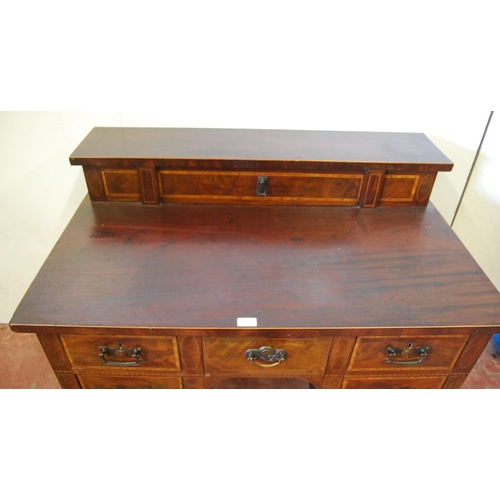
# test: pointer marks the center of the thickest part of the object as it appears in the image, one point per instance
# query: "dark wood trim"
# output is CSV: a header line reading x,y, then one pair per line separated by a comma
x,y
371,189
149,185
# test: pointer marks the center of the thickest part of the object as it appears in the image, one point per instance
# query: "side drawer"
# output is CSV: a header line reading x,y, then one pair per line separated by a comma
x,y
406,353
122,353
118,382
228,356
339,189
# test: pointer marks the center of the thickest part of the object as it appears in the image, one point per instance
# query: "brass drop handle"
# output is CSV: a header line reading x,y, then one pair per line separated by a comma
x,y
406,354
119,354
262,186
266,356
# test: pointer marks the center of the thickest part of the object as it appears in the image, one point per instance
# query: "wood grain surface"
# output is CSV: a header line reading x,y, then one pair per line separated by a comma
x,y
264,145
126,265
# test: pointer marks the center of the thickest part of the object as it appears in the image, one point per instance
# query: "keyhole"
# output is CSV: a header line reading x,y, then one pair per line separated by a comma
x,y
408,351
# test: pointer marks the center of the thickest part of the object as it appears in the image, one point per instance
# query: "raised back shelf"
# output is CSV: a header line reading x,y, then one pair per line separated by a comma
x,y
286,167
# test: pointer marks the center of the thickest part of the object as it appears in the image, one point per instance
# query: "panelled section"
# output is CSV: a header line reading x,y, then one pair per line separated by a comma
x,y
261,187
365,169
259,167
172,362
358,186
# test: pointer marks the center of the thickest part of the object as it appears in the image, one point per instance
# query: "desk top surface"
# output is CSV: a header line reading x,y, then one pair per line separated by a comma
x,y
264,145
204,266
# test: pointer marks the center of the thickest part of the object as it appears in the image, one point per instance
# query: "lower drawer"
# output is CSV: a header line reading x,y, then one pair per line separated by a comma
x,y
112,382
261,383
122,353
415,382
298,356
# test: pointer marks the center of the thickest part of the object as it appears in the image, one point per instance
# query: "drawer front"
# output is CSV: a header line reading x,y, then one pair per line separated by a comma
x,y
229,355
261,383
406,353
121,184
314,189
117,382
399,189
416,382
122,353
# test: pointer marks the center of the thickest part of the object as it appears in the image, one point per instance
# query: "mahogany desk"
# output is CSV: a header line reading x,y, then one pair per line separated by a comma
x,y
233,258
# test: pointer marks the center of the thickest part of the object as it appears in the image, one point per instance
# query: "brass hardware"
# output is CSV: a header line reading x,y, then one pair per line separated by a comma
x,y
407,352
266,356
262,186
120,353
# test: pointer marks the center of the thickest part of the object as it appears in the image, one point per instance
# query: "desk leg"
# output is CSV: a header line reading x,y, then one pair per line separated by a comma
x,y
56,355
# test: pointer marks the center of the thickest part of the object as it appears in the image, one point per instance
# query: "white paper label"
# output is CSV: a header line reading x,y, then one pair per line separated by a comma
x,y
246,322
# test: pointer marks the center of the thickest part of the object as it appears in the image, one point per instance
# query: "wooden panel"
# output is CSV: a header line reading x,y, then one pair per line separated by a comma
x,y
191,355
117,382
149,185
324,189
158,353
122,185
227,355
399,189
371,189
68,381
261,383
425,188
416,382
340,354
332,383
193,382
471,353
338,189
370,352
55,353
455,381
95,183
180,185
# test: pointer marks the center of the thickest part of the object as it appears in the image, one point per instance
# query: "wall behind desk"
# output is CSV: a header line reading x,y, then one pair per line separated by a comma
x,y
477,222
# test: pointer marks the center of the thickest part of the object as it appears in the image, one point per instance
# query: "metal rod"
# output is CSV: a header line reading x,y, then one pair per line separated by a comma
x,y
472,169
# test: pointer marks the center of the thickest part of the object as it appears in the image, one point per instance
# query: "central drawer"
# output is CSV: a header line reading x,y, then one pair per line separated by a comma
x,y
122,353
229,355
339,189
